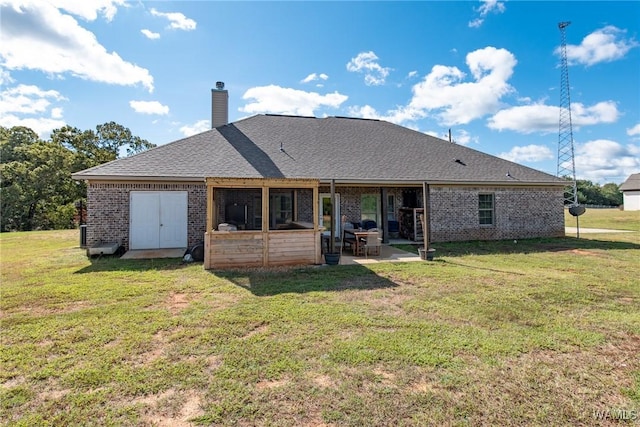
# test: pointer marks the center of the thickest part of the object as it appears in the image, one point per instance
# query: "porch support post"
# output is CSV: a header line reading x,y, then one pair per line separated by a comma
x,y
265,225
385,220
426,215
316,225
332,237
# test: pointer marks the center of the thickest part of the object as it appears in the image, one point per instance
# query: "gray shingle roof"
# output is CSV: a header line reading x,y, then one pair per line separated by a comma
x,y
344,149
632,183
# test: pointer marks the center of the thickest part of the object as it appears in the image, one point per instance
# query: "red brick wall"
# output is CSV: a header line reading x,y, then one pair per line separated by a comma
x,y
108,210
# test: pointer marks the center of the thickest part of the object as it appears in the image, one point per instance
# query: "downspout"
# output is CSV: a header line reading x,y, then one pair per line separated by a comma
x,y
384,220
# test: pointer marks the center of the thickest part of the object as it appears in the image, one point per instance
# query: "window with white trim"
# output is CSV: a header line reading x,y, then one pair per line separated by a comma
x,y
486,209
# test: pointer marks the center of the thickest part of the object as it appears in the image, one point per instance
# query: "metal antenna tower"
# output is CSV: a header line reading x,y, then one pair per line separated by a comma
x,y
566,161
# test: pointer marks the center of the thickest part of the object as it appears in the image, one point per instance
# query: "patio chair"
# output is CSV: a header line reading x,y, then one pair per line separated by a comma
x,y
372,243
347,241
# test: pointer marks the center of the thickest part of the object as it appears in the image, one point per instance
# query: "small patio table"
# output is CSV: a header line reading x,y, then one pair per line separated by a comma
x,y
360,237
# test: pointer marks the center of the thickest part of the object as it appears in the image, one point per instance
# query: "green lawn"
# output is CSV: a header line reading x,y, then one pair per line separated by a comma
x,y
606,218
538,332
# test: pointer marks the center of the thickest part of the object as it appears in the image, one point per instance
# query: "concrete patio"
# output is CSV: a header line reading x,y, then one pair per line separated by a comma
x,y
387,254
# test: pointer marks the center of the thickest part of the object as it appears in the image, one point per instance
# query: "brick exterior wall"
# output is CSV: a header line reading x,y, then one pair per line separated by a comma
x,y
108,210
519,212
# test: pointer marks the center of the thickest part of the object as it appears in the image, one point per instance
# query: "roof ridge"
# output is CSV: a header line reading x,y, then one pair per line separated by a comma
x,y
354,118
290,115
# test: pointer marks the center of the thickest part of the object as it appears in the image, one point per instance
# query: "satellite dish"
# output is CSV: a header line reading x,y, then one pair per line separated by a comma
x,y
577,210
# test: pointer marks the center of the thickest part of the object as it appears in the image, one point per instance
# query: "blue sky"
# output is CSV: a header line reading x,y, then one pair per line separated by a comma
x,y
487,70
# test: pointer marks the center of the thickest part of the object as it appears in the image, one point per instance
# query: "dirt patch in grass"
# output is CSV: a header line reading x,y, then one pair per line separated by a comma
x,y
36,309
584,252
385,378
51,391
576,251
177,302
171,408
13,382
324,381
158,348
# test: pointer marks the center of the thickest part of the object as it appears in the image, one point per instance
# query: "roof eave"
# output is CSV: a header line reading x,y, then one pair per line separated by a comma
x,y
88,177
388,183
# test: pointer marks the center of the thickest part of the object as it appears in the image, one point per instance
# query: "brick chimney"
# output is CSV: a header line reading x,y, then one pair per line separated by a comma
x,y
219,106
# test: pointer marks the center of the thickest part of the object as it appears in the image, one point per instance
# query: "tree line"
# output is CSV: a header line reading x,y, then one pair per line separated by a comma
x,y
36,188
590,193
37,192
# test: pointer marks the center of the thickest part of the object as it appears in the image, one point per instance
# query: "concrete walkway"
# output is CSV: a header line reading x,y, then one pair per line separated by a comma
x,y
154,253
573,230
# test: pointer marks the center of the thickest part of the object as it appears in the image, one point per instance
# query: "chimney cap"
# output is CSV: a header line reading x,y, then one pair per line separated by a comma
x,y
219,85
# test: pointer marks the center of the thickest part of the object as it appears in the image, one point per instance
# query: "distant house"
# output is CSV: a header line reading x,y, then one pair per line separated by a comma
x,y
631,193
271,177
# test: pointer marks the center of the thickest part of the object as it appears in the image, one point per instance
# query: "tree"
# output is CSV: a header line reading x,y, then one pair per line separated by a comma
x,y
612,194
107,143
115,137
36,189
34,183
590,193
10,139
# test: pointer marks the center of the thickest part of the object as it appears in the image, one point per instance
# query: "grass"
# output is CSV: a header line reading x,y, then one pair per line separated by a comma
x,y
606,218
542,332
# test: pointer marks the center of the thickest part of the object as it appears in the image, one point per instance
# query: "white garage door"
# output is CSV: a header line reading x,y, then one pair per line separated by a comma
x,y
158,219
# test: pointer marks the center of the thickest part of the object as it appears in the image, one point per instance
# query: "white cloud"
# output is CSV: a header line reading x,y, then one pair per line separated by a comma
x,y
487,7
412,74
400,115
279,100
462,137
456,101
603,45
314,77
634,130
89,10
56,112
5,77
19,102
604,160
528,153
366,62
41,125
177,20
27,99
149,107
198,127
150,34
37,36
545,118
